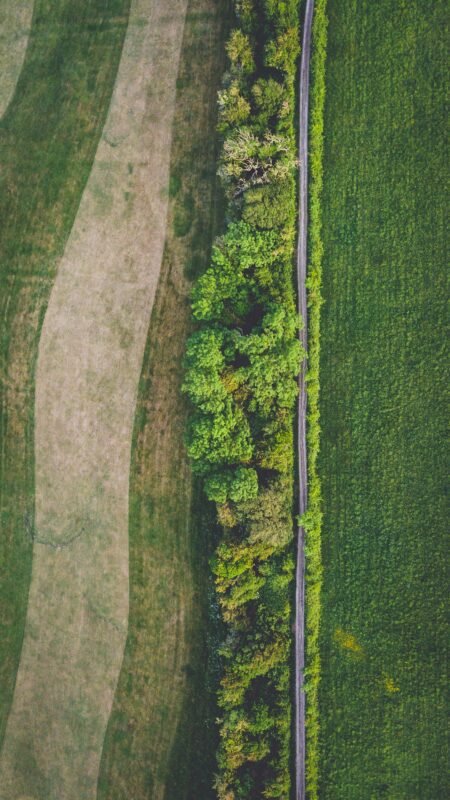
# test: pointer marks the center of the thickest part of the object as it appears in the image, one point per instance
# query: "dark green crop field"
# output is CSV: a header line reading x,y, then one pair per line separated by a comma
x,y
382,462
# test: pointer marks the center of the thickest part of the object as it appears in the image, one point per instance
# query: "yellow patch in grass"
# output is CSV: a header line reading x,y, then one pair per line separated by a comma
x,y
348,641
390,685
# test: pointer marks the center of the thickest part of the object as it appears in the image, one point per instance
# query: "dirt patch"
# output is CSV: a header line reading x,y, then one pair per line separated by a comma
x,y
15,25
90,357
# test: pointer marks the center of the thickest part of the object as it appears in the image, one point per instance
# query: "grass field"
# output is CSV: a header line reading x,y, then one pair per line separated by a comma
x,y
48,139
90,356
382,462
160,741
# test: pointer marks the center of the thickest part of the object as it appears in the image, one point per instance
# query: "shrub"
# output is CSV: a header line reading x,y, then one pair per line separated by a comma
x,y
270,206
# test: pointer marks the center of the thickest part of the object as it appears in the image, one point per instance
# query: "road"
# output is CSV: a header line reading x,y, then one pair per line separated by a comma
x,y
301,433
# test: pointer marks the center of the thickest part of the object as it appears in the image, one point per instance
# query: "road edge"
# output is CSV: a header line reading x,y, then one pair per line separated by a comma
x,y
300,738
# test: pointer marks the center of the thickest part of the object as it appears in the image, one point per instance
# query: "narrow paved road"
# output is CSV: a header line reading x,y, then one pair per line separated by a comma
x,y
302,462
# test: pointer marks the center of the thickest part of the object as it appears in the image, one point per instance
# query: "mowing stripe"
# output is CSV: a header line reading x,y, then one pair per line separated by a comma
x,y
48,141
90,357
164,709
15,26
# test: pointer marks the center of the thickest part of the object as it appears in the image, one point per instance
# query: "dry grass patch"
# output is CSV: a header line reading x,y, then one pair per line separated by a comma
x,y
160,740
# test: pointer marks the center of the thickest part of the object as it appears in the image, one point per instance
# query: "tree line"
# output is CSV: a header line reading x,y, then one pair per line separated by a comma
x,y
242,363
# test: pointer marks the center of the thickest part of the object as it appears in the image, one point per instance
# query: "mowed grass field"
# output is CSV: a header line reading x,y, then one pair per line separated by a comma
x,y
48,139
382,462
161,737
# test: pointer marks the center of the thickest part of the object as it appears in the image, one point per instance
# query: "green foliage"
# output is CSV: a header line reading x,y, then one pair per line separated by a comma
x,y
237,485
246,14
241,367
270,206
250,159
221,438
239,51
274,353
282,52
205,361
244,485
269,100
242,263
280,15
234,109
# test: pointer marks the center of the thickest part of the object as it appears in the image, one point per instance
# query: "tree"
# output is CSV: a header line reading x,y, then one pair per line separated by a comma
x,y
270,206
240,53
219,439
227,290
237,485
274,355
204,363
234,109
269,100
283,51
249,160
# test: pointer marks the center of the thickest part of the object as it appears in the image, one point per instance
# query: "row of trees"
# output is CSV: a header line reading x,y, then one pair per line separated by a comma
x,y
241,367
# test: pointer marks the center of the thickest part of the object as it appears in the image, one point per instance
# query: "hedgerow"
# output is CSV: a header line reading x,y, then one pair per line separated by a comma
x,y
241,366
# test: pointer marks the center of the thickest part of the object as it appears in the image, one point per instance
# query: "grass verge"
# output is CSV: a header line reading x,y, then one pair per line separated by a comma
x,y
382,462
313,517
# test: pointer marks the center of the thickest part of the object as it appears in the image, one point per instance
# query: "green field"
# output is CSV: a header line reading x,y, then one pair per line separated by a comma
x,y
48,139
382,462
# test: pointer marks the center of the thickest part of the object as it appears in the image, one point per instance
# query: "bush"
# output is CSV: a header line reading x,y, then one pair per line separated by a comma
x,y
238,485
270,206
